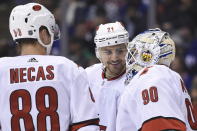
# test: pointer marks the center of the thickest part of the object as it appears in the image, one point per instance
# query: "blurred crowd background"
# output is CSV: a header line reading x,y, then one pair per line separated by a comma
x,y
78,20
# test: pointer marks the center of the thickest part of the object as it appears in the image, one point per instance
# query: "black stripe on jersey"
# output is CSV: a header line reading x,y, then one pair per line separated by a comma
x,y
76,126
166,118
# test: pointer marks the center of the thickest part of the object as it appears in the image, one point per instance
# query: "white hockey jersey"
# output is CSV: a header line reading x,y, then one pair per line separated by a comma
x,y
44,93
156,99
106,94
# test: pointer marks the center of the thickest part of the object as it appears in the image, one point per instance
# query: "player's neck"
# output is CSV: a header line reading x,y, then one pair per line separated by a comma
x,y
110,75
32,49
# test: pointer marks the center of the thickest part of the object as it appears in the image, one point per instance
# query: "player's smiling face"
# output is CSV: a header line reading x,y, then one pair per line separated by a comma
x,y
113,58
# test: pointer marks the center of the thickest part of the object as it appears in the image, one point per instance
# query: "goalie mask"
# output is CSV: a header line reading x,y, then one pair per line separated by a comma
x,y
148,48
26,20
109,35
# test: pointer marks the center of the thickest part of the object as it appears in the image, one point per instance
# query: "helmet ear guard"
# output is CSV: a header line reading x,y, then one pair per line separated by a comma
x,y
47,46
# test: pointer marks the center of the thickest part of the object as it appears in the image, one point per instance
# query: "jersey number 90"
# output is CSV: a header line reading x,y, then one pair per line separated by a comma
x,y
152,95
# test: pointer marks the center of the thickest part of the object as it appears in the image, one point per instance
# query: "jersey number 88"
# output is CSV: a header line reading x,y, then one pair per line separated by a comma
x,y
43,110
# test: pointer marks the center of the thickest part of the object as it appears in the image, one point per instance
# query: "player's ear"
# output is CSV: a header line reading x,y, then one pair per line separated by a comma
x,y
44,35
